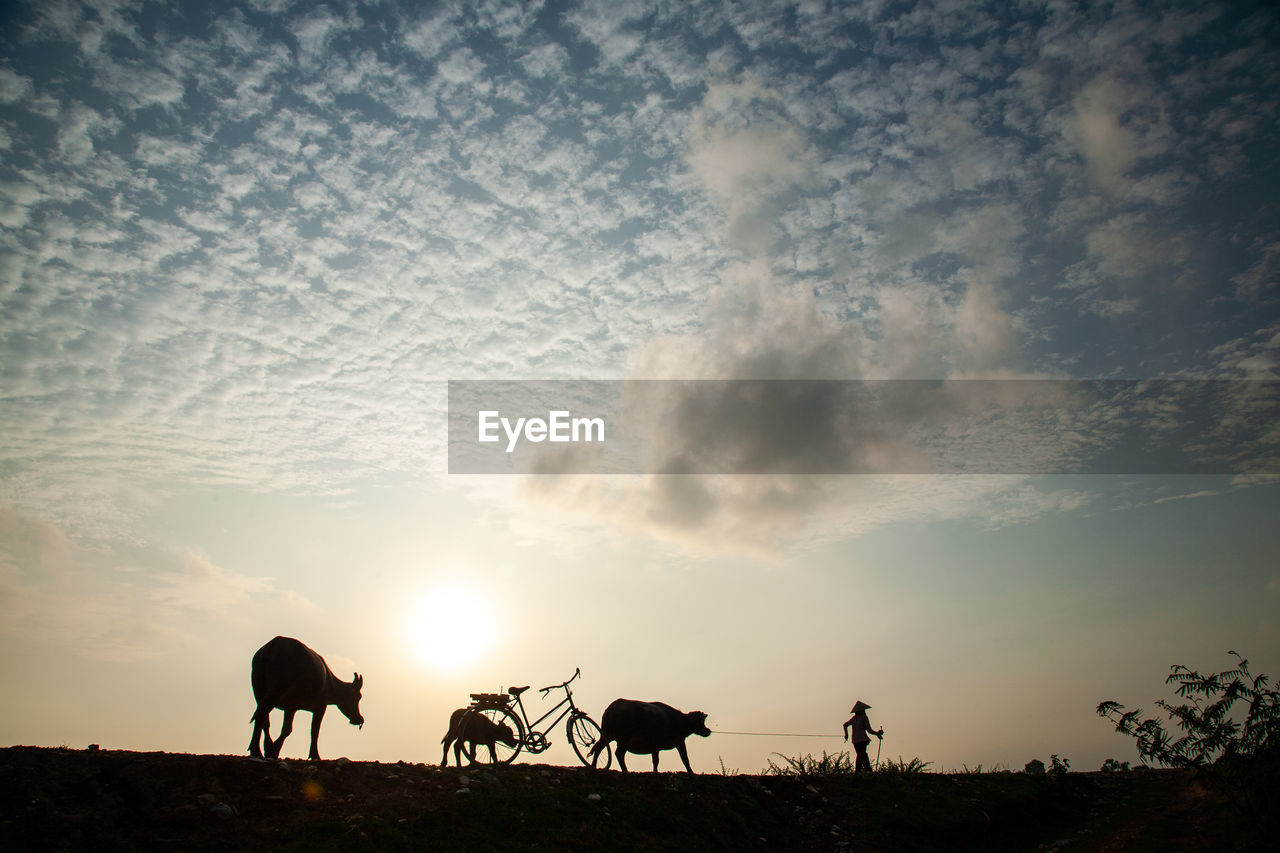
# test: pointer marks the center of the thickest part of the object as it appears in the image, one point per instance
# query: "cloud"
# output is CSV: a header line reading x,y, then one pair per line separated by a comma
x,y
605,26
75,134
14,87
747,154
985,332
27,543
429,36
764,517
1264,274
755,327
314,32
138,87
545,60
1253,356
203,586
93,603
50,592
1109,148
1189,496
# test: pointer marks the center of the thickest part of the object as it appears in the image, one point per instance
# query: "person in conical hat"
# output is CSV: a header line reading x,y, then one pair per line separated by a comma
x,y
862,733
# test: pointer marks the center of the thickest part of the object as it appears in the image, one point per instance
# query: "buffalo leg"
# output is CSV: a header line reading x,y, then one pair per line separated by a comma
x,y
453,736
285,728
655,761
621,752
684,756
317,717
261,725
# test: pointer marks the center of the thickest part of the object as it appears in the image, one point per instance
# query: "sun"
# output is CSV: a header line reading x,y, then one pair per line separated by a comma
x,y
452,627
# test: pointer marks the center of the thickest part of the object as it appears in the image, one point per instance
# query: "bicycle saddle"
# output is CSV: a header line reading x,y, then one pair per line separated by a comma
x,y
516,691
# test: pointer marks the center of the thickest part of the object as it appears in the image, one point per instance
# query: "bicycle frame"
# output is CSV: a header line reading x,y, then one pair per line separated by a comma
x,y
531,727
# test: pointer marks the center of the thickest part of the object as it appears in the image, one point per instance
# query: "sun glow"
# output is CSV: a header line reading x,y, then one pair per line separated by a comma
x,y
452,627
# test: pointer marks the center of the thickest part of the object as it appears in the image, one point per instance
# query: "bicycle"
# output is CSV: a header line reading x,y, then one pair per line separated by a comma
x,y
500,708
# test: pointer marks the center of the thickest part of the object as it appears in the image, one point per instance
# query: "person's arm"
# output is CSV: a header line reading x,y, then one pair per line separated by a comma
x,y
879,733
847,724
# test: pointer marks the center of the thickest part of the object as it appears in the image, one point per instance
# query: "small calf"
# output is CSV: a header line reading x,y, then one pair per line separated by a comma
x,y
475,729
648,728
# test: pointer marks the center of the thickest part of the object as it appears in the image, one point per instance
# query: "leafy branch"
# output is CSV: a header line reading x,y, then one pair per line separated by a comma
x,y
1239,756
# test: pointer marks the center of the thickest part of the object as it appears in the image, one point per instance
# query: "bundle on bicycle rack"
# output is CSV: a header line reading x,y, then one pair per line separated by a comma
x,y
491,700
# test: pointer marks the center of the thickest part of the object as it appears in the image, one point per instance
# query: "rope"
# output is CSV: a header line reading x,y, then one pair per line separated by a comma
x,y
768,734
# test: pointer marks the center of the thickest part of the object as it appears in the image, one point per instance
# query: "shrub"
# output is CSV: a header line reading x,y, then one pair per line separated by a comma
x,y
1240,758
1035,767
1058,767
1113,766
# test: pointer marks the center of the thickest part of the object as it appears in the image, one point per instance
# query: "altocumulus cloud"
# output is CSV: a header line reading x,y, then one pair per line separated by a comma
x,y
242,244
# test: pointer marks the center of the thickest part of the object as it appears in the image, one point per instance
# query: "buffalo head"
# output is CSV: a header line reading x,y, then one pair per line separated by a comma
x,y
349,704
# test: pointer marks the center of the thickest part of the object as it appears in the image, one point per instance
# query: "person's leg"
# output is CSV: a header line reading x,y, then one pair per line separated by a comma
x,y
861,762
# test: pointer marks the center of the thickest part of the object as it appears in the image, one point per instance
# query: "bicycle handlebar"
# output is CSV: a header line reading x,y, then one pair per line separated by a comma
x,y
576,673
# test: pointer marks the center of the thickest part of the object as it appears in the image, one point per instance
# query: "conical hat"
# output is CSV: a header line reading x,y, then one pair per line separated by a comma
x,y
859,706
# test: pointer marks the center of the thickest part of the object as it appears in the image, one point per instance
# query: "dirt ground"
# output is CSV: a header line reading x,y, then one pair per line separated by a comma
x,y
66,799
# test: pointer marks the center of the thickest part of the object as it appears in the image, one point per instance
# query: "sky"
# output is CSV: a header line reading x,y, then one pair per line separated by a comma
x,y
244,248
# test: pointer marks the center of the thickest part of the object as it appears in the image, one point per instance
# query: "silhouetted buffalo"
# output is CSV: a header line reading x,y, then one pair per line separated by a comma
x,y
648,728
289,676
475,729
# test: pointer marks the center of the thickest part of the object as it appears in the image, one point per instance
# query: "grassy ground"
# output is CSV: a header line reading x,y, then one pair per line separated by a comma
x,y
61,799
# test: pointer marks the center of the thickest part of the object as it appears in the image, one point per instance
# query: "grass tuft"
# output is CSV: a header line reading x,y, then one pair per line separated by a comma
x,y
808,765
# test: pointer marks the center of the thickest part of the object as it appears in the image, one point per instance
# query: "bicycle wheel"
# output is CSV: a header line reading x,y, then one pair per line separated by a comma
x,y
491,735
584,734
